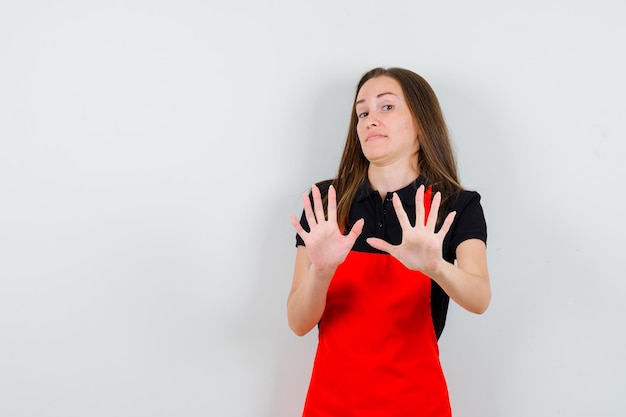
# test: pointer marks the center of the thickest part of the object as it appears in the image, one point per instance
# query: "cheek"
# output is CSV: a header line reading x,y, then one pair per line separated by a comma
x,y
360,131
410,130
408,127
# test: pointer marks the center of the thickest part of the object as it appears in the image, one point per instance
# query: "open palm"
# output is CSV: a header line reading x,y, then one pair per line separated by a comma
x,y
421,247
326,246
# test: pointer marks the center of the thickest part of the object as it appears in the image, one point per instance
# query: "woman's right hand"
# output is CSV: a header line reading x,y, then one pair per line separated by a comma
x,y
326,246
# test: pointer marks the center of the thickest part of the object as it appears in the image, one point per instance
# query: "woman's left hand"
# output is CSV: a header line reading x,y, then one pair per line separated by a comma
x,y
421,247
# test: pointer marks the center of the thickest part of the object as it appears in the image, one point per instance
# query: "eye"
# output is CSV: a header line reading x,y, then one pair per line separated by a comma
x,y
388,107
362,115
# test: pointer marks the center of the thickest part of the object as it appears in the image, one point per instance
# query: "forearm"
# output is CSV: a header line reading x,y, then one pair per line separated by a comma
x,y
326,248
306,303
470,291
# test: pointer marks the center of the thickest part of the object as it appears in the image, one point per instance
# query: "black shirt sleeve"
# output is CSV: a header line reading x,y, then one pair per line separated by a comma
x,y
469,223
305,226
323,186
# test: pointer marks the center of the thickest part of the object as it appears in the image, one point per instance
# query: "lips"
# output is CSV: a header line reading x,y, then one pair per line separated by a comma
x,y
374,136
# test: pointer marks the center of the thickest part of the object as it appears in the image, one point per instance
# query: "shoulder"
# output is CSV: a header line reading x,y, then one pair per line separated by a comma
x,y
464,199
323,186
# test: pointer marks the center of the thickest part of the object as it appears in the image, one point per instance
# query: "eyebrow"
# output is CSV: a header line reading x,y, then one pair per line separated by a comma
x,y
378,96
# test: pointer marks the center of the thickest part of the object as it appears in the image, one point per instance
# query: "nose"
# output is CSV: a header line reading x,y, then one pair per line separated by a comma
x,y
372,121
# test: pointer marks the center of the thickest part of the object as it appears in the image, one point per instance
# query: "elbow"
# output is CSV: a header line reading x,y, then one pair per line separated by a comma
x,y
296,324
300,322
480,309
298,330
482,305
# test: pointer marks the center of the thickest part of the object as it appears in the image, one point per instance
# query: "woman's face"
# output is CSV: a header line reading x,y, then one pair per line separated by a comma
x,y
386,127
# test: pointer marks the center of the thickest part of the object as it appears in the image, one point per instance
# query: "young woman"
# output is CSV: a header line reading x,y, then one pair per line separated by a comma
x,y
376,251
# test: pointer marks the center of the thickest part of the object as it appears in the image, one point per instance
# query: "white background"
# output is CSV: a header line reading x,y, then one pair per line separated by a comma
x,y
152,151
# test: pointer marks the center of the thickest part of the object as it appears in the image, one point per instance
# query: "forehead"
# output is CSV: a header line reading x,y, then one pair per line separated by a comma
x,y
379,85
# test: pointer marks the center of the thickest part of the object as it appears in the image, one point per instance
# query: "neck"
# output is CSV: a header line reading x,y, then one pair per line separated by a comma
x,y
385,179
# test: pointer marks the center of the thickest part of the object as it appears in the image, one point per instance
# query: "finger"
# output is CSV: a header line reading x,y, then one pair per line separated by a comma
x,y
356,230
419,206
332,204
434,211
445,227
318,206
400,213
308,211
296,225
380,244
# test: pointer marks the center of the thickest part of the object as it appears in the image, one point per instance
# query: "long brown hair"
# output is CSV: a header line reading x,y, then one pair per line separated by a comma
x,y
436,161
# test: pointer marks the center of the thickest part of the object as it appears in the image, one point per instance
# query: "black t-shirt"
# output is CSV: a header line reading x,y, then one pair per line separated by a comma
x,y
381,221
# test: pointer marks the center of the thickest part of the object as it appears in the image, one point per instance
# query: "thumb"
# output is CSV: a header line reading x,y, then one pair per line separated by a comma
x,y
357,228
380,244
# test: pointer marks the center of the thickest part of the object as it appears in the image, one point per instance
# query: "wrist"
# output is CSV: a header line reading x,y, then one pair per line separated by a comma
x,y
324,272
437,271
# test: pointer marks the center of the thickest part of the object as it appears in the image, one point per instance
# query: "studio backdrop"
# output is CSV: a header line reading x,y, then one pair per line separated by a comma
x,y
151,153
